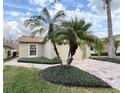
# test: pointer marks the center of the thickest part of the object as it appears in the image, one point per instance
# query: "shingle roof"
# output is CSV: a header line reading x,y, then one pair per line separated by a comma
x,y
30,39
8,46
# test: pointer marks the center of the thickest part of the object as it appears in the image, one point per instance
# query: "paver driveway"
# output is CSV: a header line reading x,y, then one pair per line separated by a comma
x,y
107,71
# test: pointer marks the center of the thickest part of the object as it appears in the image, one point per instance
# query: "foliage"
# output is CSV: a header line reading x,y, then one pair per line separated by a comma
x,y
76,33
39,60
25,80
71,76
46,25
8,59
116,44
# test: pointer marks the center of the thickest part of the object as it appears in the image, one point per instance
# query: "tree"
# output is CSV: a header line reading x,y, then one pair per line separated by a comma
x,y
111,49
116,44
44,23
76,34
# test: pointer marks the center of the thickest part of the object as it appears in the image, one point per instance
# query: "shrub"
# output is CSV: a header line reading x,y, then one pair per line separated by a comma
x,y
104,58
71,76
39,60
117,54
104,54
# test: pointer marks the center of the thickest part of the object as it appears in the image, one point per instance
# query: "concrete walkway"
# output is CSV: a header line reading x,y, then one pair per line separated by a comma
x,y
28,65
109,72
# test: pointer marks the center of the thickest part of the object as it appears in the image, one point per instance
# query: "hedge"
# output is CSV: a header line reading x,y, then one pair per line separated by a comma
x,y
39,60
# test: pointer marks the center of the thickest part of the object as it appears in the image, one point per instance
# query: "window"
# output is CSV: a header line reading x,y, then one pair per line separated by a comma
x,y
8,53
32,50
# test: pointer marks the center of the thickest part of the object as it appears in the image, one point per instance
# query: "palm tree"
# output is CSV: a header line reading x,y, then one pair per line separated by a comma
x,y
44,23
111,48
75,33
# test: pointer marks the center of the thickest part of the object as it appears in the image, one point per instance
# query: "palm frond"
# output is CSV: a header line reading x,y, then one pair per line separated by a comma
x,y
36,30
46,15
60,36
27,22
60,14
43,19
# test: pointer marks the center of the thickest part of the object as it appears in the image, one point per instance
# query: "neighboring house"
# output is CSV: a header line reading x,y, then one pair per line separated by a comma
x,y
37,47
116,37
9,49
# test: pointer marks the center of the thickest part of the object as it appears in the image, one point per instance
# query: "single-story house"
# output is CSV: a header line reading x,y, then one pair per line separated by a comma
x,y
36,47
9,49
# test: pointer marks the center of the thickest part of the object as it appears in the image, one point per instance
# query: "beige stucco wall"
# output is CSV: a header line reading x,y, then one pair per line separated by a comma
x,y
40,50
4,52
82,53
47,50
63,51
24,50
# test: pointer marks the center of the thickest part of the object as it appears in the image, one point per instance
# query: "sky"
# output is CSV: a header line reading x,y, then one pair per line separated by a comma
x,y
15,12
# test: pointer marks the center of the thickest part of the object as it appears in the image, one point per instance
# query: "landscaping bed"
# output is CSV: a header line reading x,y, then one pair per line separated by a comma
x,y
9,58
26,80
72,76
104,54
105,58
39,60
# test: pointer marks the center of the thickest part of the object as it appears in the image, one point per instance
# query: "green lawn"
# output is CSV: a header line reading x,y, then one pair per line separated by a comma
x,y
105,58
25,80
39,60
8,59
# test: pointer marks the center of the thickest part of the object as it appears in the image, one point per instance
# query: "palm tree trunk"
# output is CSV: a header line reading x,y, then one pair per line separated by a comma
x,y
69,52
111,53
68,60
56,51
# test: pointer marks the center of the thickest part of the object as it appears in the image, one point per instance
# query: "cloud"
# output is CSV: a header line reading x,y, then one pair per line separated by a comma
x,y
14,13
97,5
80,6
14,29
59,6
19,7
38,2
82,14
17,14
42,3
96,15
